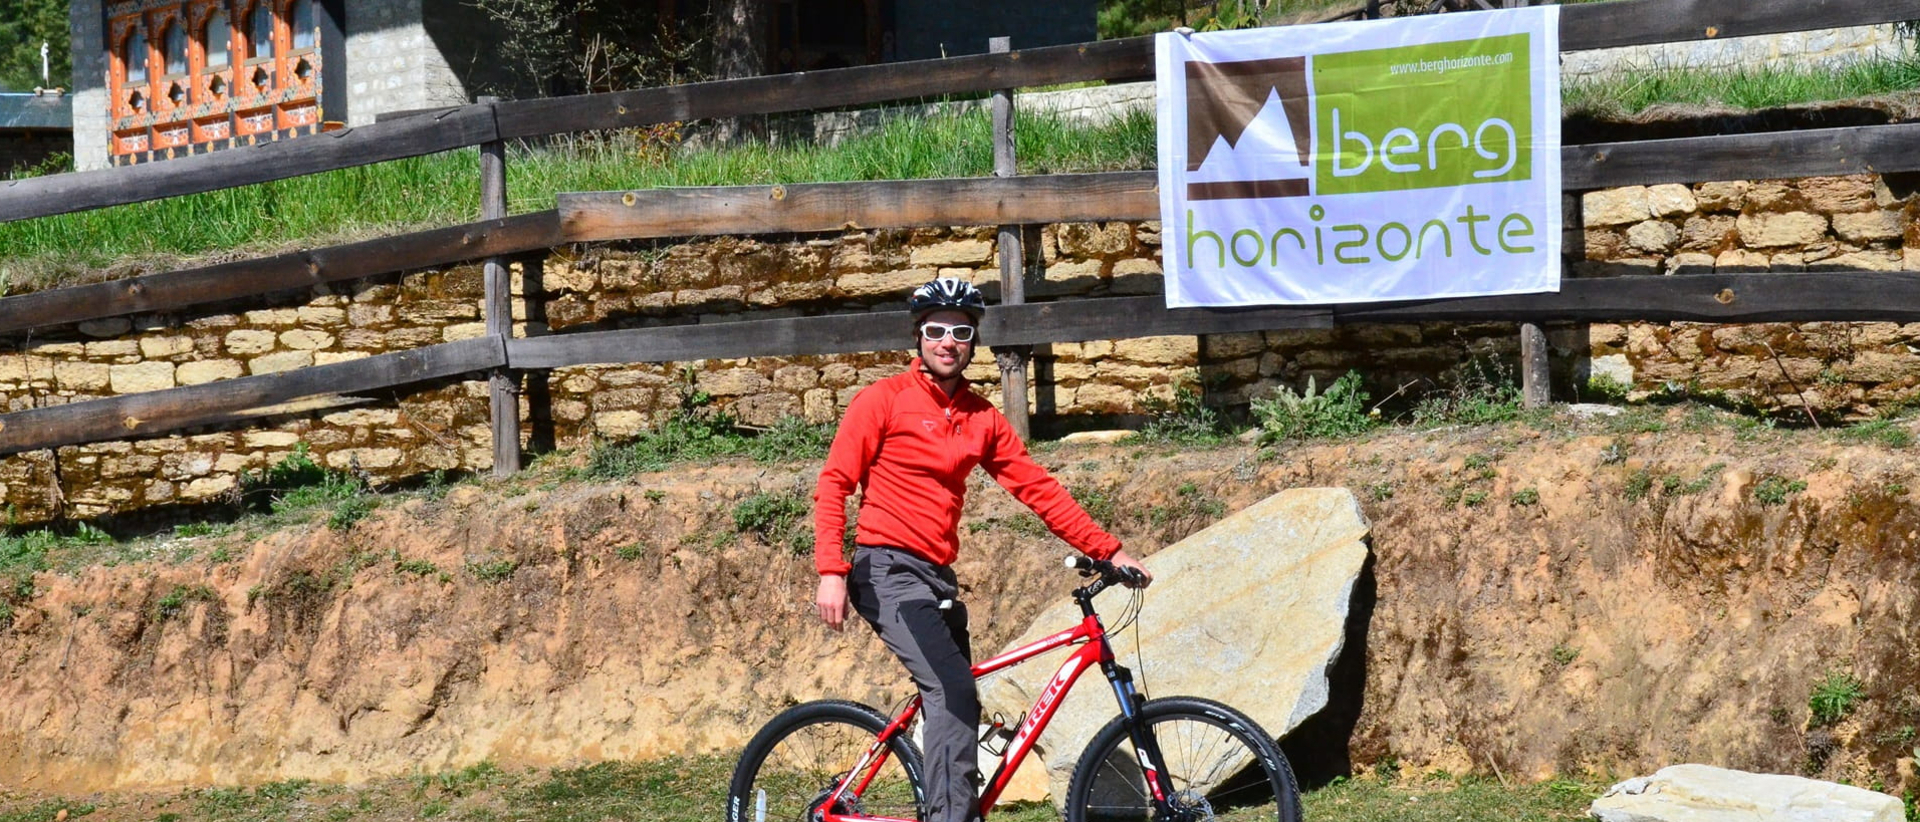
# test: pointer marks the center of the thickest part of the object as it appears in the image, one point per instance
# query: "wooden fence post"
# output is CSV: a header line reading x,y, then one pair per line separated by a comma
x,y
1535,385
1013,276
503,395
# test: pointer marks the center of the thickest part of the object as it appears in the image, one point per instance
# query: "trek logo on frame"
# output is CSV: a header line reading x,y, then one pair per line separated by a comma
x,y
1385,160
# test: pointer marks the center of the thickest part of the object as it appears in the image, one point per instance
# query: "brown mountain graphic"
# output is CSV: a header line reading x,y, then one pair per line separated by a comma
x,y
1223,99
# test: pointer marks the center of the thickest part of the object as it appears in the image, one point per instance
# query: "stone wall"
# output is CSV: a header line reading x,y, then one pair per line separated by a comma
x,y
1834,369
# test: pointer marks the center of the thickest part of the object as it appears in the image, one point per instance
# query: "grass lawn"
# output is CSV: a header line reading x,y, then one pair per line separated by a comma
x,y
694,790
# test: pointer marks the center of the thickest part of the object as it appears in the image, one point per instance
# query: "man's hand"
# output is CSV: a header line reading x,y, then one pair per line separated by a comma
x,y
1124,560
831,600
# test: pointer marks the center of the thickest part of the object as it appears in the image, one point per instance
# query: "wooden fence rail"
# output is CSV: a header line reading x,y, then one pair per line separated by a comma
x,y
1582,26
186,288
134,416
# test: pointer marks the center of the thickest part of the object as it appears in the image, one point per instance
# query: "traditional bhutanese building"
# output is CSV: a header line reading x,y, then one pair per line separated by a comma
x,y
155,79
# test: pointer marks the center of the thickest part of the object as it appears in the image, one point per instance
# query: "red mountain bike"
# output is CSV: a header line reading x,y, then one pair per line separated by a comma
x,y
1177,759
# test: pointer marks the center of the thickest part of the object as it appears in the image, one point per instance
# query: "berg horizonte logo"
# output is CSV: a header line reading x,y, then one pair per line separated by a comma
x,y
1361,161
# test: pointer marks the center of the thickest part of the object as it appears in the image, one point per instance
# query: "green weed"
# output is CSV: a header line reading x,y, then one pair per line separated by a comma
x,y
1775,490
415,567
1564,654
631,552
1340,411
1607,388
1481,391
1526,496
1638,484
351,510
493,571
1883,431
1834,697
783,518
1185,419
176,600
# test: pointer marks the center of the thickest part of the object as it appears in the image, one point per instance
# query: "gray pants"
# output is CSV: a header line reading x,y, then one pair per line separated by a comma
x,y
900,594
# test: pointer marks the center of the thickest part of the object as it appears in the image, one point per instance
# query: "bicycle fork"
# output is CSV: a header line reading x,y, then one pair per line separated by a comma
x,y
1146,749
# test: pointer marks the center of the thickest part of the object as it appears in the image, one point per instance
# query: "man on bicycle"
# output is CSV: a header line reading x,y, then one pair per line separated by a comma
x,y
910,441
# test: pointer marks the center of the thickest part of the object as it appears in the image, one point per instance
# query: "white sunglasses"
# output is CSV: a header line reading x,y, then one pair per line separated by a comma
x,y
935,332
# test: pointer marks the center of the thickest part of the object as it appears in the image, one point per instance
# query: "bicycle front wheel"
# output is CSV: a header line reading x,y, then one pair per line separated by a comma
x,y
790,769
1222,766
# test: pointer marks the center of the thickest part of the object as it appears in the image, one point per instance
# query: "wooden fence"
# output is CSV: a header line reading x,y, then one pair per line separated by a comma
x,y
1847,295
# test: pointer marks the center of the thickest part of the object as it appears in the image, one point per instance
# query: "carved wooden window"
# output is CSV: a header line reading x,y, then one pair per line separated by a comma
x,y
303,26
173,46
260,31
135,57
217,35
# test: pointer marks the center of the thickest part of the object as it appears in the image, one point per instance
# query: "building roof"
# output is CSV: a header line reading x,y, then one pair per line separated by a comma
x,y
36,111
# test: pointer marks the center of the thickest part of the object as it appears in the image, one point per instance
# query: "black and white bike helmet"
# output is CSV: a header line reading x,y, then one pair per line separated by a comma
x,y
947,293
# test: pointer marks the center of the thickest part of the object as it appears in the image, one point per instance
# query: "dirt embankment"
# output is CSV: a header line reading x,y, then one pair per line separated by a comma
x,y
1539,601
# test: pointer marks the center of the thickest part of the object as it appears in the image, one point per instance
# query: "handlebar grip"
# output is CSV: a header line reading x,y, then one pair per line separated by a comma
x,y
1079,562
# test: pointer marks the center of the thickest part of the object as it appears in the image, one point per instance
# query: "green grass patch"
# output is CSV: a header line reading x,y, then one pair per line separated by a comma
x,y
693,435
443,189
1630,92
1883,431
1446,800
693,789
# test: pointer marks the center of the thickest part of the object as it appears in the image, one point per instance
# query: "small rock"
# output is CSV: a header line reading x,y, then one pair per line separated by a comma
x,y
1590,410
1097,436
1703,793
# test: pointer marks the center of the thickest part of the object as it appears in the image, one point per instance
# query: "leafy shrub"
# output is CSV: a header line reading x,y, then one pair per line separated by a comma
x,y
1834,697
351,510
1526,496
1339,412
1183,419
1482,391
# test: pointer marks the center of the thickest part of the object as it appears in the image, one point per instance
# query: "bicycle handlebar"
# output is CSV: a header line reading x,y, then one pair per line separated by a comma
x,y
1110,574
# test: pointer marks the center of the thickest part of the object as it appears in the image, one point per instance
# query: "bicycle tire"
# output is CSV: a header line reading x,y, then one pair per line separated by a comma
x,y
796,759
1222,766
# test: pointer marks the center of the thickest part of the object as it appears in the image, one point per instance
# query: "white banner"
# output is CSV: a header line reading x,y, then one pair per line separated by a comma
x,y
1394,159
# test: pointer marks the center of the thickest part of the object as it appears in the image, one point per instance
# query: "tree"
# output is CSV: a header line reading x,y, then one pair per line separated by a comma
x,y
24,25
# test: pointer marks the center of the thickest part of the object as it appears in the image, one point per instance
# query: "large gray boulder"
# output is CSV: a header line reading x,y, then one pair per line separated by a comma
x,y
1703,793
1251,611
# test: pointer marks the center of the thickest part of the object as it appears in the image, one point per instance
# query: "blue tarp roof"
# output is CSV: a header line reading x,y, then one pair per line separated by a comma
x,y
36,111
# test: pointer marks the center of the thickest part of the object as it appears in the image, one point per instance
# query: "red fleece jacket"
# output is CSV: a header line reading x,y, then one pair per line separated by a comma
x,y
911,447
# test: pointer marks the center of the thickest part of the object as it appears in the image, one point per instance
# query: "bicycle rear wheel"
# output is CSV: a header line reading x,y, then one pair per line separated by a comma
x,y
1221,764
791,767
